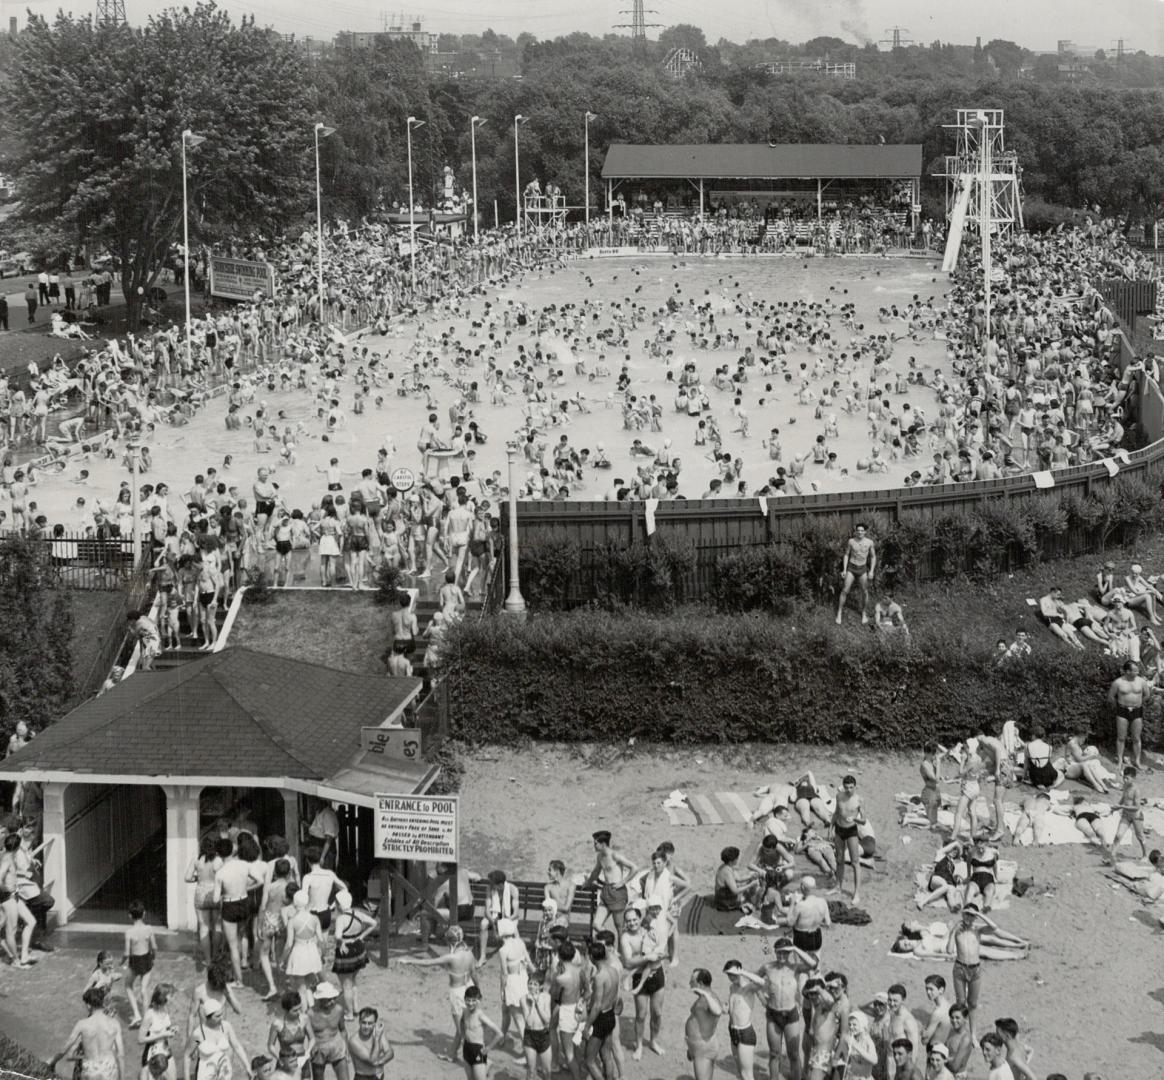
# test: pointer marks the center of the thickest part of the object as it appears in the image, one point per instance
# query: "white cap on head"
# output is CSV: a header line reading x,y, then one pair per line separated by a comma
x,y
808,882
505,928
325,990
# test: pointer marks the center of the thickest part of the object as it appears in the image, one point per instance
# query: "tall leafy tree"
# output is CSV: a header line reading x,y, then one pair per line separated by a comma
x,y
99,110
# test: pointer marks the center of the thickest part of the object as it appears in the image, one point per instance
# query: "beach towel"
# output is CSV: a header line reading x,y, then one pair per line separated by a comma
x,y
701,918
711,808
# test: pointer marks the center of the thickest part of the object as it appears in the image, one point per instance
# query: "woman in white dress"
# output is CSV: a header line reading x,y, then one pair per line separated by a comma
x,y
330,531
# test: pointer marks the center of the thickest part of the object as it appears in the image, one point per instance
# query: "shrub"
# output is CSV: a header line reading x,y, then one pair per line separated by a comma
x,y
548,566
388,578
16,1061
697,677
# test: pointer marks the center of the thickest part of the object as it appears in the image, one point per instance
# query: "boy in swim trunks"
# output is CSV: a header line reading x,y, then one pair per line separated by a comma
x,y
602,1018
475,1053
1131,812
536,1010
140,949
745,988
858,567
781,977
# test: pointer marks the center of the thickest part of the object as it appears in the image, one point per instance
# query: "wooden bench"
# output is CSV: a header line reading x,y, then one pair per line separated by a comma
x,y
529,906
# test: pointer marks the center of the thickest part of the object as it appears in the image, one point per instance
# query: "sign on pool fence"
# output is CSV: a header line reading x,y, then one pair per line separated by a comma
x,y
416,827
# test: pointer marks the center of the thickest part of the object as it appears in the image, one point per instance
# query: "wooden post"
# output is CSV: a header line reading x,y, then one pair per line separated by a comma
x,y
385,910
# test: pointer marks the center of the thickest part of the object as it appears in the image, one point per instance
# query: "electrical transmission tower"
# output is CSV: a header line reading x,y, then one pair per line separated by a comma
x,y
111,11
1121,51
638,26
896,37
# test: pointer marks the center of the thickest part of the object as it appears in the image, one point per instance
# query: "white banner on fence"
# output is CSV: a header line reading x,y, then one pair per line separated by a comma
x,y
240,279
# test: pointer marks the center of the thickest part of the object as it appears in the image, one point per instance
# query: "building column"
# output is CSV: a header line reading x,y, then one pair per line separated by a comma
x,y
183,824
291,822
54,855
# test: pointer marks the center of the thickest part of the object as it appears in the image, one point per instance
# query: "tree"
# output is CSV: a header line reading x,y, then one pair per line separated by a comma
x,y
683,36
1007,56
100,111
36,629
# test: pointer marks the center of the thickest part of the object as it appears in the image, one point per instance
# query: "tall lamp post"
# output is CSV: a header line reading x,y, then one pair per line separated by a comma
x,y
589,116
518,120
412,122
189,139
514,601
474,124
322,131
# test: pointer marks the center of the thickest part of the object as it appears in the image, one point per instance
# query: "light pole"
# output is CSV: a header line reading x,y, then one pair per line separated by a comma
x,y
474,124
518,120
321,132
514,601
589,116
191,140
412,122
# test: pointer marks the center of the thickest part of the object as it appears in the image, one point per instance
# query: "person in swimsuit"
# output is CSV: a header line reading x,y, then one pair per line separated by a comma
x,y
269,921
931,774
642,955
848,816
369,1047
1129,694
352,927
602,1016
808,801
537,1011
964,946
616,871
746,988
945,878
824,1027
474,1022
97,1039
983,866
140,949
858,567
211,1044
1086,817
970,777
1041,772
785,1024
461,965
331,1044
1131,811
514,961
290,1039
700,1030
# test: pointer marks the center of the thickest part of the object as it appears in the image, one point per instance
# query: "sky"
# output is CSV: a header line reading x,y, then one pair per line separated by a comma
x,y
1036,24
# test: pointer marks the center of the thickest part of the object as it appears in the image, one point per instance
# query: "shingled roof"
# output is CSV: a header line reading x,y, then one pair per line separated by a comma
x,y
762,161
236,713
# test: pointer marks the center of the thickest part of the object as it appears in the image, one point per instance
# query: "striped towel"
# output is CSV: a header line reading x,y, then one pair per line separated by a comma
x,y
718,808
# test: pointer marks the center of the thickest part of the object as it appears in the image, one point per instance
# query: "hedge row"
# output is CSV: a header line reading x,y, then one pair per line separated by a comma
x,y
15,1059
993,538
698,678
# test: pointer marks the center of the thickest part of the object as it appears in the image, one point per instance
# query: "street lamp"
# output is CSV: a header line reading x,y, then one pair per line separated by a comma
x,y
589,116
514,601
518,120
321,132
474,124
191,140
412,122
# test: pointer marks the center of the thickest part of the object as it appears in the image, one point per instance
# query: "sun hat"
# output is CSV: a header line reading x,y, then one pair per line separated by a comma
x,y
210,1007
551,905
505,928
939,1048
326,991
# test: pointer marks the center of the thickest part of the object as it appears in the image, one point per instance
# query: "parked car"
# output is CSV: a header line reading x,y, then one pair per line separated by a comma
x,y
21,262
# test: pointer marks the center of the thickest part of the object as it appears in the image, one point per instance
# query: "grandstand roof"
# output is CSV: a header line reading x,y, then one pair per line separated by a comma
x,y
762,161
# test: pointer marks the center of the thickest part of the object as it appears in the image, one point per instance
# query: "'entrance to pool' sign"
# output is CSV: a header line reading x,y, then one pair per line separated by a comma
x,y
416,827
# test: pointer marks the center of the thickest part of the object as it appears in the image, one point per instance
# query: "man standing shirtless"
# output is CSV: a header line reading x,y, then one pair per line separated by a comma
x,y
847,816
745,988
807,915
569,986
616,871
781,978
602,1019
643,956
98,1038
1129,694
860,563
825,1026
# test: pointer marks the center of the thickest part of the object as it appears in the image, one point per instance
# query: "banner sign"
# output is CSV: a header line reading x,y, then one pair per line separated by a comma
x,y
240,279
419,827
400,744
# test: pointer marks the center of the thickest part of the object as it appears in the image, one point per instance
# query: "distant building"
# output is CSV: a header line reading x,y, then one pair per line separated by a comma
x,y
366,39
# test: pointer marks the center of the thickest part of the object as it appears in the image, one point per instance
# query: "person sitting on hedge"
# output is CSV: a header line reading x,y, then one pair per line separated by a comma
x,y
1051,610
888,615
1142,593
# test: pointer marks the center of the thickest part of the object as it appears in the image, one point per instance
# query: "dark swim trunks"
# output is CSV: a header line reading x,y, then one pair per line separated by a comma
x,y
652,984
538,1041
474,1054
783,1017
743,1036
808,940
604,1024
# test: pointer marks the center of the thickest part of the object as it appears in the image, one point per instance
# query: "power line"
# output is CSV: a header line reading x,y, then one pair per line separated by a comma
x,y
896,37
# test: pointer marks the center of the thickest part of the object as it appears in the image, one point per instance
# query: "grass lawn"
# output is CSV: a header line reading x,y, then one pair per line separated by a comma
x,y
96,617
339,629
